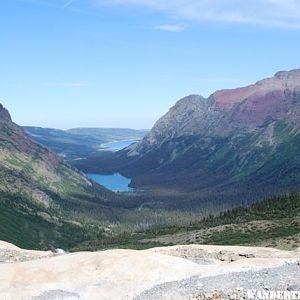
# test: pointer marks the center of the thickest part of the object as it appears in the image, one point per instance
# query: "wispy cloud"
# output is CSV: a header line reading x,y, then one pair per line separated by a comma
x,y
275,13
50,3
68,3
170,28
66,84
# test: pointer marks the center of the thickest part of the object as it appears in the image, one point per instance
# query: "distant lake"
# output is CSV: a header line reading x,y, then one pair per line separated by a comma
x,y
115,182
116,146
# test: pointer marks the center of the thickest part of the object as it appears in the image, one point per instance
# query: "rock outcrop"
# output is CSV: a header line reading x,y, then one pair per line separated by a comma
x,y
178,272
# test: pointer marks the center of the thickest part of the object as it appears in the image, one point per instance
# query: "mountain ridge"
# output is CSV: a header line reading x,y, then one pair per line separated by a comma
x,y
224,100
245,138
44,201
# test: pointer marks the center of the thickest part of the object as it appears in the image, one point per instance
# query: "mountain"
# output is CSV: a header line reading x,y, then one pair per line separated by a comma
x,y
78,143
44,201
240,143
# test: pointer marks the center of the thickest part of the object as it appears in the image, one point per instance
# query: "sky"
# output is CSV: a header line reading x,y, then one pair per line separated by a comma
x,y
124,63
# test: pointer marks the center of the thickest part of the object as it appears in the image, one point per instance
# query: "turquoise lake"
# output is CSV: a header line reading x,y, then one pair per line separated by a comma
x,y
115,182
116,146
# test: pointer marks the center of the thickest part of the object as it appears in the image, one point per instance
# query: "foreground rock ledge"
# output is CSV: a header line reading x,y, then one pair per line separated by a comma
x,y
178,272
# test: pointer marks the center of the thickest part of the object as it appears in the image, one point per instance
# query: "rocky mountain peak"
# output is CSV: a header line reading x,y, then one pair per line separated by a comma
x,y
281,81
228,111
189,100
288,74
4,114
179,119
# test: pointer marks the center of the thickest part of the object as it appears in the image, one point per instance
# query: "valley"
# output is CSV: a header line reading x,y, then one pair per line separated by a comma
x,y
46,203
78,145
184,176
236,146
150,150
81,143
273,222
193,180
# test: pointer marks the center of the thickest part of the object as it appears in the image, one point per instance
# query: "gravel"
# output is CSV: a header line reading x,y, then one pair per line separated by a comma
x,y
230,286
57,295
13,256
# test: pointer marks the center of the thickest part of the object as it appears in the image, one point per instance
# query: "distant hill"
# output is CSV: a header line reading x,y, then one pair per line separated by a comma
x,y
81,143
110,134
242,143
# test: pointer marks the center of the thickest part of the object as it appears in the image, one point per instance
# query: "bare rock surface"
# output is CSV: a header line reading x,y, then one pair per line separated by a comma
x,y
178,272
10,254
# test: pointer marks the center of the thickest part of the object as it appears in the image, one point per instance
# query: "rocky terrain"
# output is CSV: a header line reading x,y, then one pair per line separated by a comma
x,y
179,272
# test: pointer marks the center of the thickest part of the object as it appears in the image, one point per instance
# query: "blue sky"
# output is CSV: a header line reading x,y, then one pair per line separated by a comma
x,y
123,63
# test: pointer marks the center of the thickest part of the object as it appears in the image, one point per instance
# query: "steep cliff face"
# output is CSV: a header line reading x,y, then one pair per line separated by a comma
x,y
4,114
245,136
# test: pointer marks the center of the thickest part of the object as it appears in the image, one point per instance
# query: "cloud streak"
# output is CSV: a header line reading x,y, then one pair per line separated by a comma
x,y
170,28
275,13
68,3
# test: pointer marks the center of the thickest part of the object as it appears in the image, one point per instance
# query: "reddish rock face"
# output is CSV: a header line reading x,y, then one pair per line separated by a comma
x,y
227,111
275,98
267,94
225,99
258,108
